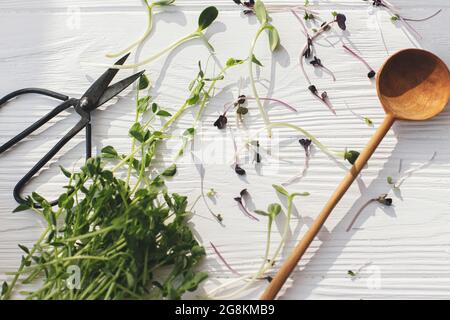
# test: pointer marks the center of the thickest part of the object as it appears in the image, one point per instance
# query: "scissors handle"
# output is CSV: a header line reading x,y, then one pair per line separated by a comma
x,y
44,92
63,106
38,166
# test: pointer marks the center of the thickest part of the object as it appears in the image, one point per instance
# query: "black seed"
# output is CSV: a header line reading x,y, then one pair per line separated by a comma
x,y
306,143
241,99
313,89
221,122
239,171
340,18
371,74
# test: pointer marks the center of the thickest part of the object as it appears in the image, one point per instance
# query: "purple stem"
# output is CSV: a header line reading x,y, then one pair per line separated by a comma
x,y
236,156
303,173
329,71
357,56
301,22
358,214
226,107
393,11
223,259
326,102
424,19
244,209
276,100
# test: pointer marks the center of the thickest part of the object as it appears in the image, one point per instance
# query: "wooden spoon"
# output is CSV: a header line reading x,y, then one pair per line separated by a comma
x,y
412,84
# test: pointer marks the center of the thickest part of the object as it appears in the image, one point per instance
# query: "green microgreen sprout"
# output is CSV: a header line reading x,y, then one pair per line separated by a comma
x,y
268,262
366,120
352,274
148,30
397,184
274,41
119,253
211,193
206,18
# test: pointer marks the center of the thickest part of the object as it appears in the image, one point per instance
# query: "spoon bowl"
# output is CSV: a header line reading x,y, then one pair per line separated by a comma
x,y
413,84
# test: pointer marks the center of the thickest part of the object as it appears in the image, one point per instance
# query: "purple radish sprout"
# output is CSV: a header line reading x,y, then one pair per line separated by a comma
x,y
371,73
223,259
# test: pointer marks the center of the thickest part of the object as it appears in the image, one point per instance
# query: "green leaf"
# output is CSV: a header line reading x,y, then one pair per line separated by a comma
x,y
274,38
261,213
301,194
256,61
163,113
154,107
334,13
24,248
280,189
390,180
162,3
351,273
368,121
67,173
4,288
233,62
260,11
39,199
22,207
207,17
109,152
351,156
193,99
274,209
189,132
143,82
137,132
143,104
170,171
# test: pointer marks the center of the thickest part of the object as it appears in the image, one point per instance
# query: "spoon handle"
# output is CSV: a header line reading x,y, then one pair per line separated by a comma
x,y
288,266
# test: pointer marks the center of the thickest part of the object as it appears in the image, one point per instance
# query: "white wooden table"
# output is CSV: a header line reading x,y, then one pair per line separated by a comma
x,y
403,251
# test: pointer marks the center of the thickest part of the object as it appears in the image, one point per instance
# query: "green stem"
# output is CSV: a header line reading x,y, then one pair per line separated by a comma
x,y
7,295
156,56
253,84
140,39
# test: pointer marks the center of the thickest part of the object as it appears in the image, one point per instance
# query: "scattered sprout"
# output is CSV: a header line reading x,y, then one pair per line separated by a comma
x,y
351,156
206,18
241,204
223,259
352,273
211,193
382,199
396,16
371,73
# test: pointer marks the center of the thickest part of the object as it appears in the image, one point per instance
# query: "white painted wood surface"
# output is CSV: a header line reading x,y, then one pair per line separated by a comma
x,y
405,249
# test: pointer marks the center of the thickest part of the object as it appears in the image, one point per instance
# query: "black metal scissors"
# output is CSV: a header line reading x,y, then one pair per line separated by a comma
x,y
97,94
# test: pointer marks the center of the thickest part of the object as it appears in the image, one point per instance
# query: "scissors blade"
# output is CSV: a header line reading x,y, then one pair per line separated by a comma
x,y
98,88
117,88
